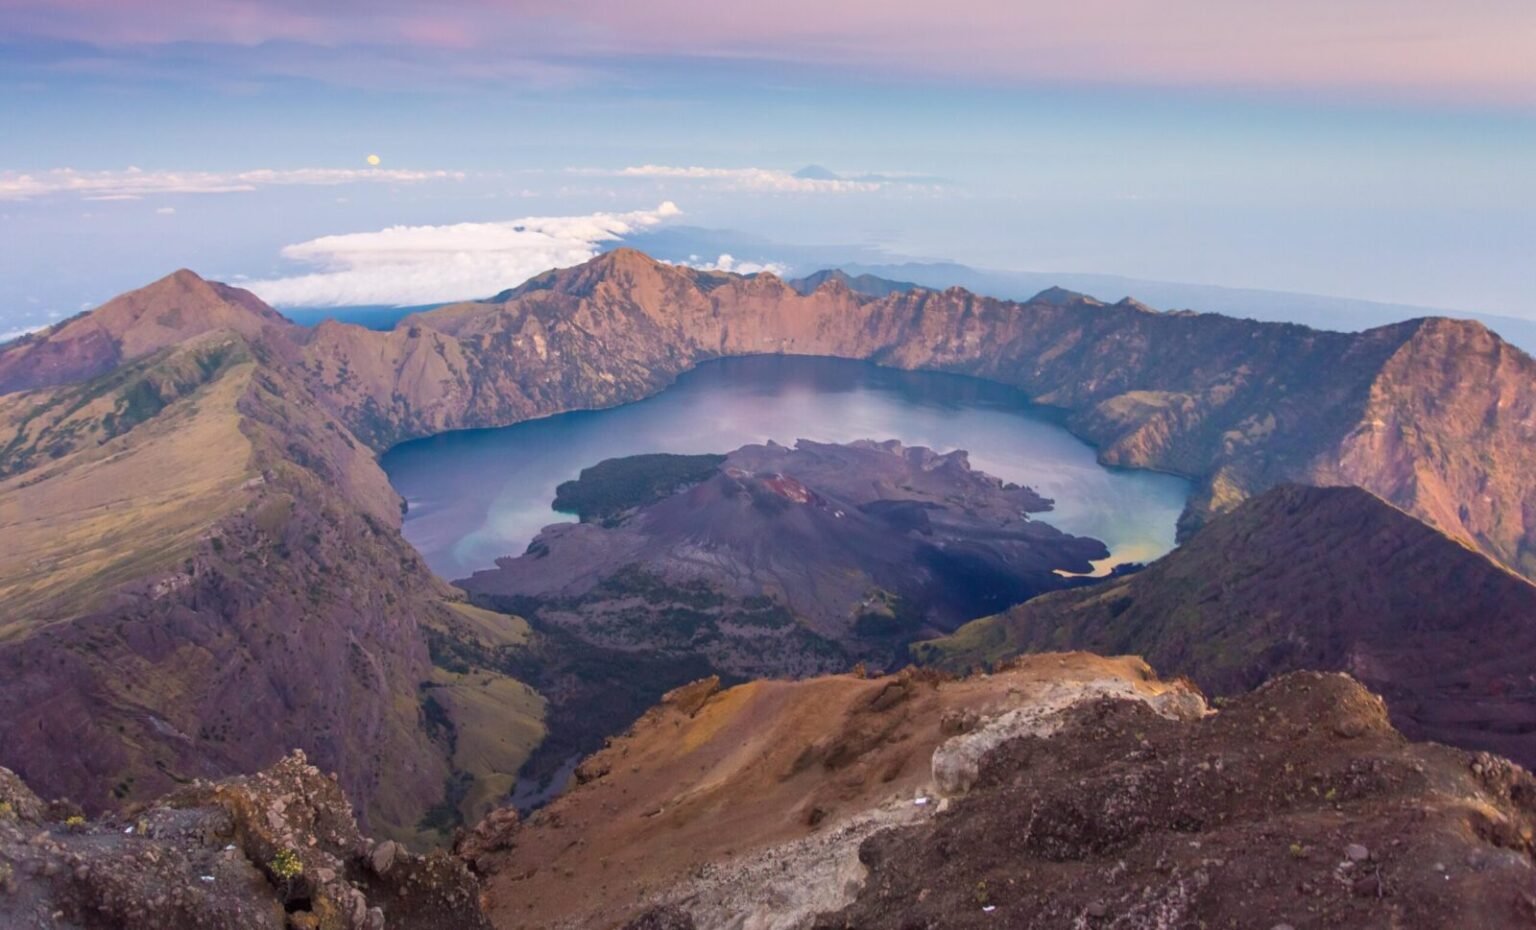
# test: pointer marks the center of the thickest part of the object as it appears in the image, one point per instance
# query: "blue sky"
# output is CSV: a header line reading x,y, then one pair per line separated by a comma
x,y
1405,173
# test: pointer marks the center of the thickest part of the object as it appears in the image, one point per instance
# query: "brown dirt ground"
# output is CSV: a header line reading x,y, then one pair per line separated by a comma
x,y
707,776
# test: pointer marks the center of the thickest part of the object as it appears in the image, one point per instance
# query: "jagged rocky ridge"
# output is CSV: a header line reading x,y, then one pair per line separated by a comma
x,y
111,544
1435,415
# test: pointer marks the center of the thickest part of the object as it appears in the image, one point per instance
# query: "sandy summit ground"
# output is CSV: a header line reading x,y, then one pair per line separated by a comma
x,y
757,797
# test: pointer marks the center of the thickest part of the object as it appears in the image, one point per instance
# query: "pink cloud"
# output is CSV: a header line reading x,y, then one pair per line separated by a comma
x,y
438,31
1472,50
154,22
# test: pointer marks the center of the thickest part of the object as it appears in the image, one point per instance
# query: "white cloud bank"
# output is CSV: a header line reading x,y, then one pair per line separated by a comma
x,y
406,265
770,180
728,262
134,183
9,334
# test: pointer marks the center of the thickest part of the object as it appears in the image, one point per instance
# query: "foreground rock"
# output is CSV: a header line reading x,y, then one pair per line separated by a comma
x,y
1068,791
749,804
276,850
1297,805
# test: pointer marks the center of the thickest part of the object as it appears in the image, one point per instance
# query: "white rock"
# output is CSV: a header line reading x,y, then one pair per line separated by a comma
x,y
957,761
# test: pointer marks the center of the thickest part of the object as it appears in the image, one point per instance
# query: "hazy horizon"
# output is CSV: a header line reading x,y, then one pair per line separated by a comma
x,y
1367,154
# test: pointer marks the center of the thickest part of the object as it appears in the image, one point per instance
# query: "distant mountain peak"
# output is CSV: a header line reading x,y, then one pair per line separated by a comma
x,y
866,284
1451,327
1061,297
817,173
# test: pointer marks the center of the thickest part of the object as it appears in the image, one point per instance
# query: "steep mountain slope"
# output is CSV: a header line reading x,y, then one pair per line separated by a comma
x,y
1310,578
88,473
1447,436
202,570
1238,405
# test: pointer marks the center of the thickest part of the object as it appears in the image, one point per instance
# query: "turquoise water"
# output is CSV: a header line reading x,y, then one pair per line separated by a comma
x,y
477,495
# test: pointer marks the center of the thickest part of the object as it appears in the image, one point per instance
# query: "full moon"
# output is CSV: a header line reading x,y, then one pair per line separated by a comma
x,y
373,160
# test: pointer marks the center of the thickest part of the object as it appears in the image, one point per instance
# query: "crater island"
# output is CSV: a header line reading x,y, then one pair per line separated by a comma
x,y
771,560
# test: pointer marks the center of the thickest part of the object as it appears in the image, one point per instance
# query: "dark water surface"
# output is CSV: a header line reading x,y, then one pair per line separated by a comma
x,y
477,495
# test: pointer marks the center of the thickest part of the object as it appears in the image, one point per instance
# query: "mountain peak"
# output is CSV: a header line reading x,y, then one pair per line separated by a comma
x,y
1456,328
184,276
623,264
623,258
866,284
163,313
817,173
624,267
1061,297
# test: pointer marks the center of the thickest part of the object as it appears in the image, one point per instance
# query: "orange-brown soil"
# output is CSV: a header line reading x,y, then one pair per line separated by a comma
x,y
709,778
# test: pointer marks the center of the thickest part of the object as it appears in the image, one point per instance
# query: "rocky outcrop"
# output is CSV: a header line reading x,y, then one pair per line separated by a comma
x,y
1064,791
279,849
957,761
1309,578
1296,805
492,835
746,806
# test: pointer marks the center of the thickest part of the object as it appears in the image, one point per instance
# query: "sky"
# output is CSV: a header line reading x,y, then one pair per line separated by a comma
x,y
1376,149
